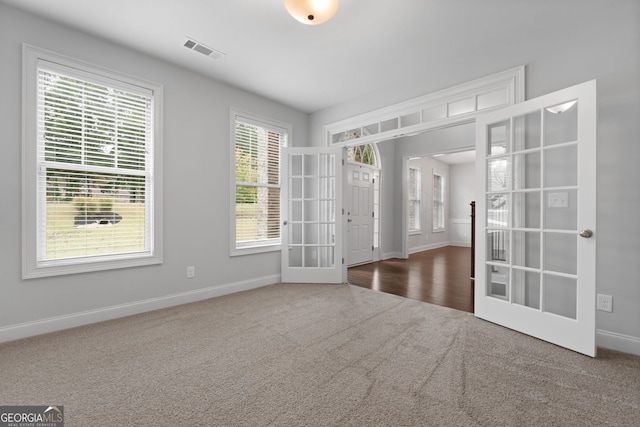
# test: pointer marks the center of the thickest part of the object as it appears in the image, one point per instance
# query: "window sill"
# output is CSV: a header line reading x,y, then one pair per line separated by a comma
x,y
60,269
250,250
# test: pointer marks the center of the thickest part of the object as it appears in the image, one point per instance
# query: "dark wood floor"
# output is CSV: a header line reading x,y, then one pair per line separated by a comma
x,y
438,276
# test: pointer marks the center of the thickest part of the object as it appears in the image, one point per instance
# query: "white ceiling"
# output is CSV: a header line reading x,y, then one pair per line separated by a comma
x,y
458,158
399,46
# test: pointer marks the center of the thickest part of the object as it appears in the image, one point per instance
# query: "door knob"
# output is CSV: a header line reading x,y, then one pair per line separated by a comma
x,y
586,233
349,220
284,222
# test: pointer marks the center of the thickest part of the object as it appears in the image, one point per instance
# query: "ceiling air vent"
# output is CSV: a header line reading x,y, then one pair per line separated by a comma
x,y
205,50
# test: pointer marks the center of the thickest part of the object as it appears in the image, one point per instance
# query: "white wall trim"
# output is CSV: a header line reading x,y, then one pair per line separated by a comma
x,y
52,324
411,117
461,221
618,342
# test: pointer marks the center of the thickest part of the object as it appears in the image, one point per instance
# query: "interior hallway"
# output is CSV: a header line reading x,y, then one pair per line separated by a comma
x,y
438,276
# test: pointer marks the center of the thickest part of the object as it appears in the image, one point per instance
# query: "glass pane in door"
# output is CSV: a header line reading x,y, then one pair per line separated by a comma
x,y
560,252
526,246
561,166
560,295
498,282
295,256
498,245
528,293
528,166
499,138
561,123
498,174
498,210
526,210
561,209
527,131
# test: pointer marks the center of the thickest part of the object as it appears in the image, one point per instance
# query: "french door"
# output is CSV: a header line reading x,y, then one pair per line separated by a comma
x,y
312,215
535,234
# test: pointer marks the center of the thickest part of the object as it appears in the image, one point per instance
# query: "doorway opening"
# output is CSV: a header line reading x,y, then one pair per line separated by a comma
x,y
434,263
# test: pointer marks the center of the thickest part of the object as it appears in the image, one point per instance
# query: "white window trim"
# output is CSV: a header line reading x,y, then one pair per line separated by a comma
x,y
30,266
418,198
261,121
444,202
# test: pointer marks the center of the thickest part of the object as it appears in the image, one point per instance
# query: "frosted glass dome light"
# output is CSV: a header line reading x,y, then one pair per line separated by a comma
x,y
311,12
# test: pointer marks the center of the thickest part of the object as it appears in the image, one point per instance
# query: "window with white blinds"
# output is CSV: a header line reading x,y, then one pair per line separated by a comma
x,y
256,146
413,210
92,147
438,202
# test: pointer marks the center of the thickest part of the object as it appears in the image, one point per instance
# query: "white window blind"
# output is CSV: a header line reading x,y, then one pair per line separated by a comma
x,y
438,202
413,210
94,168
257,182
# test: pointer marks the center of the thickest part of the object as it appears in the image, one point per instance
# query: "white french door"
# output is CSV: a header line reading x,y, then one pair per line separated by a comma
x,y
312,215
359,207
535,234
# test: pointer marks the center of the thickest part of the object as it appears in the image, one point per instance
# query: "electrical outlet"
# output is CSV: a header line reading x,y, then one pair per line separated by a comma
x,y
191,272
605,303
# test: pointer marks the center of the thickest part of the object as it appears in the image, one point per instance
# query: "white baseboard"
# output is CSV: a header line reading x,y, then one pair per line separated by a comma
x,y
428,247
390,255
463,244
618,342
43,326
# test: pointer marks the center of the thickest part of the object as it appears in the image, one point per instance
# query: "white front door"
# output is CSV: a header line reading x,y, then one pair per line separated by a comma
x,y
359,207
535,234
312,215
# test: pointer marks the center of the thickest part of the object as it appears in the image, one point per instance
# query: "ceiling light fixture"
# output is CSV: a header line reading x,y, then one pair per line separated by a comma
x,y
311,12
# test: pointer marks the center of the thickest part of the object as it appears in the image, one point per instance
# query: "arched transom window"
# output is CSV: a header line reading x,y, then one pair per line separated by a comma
x,y
365,154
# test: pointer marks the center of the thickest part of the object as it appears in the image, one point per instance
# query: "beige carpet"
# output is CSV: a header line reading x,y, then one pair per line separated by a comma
x,y
315,355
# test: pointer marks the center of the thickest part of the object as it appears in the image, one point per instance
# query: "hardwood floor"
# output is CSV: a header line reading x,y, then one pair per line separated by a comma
x,y
438,276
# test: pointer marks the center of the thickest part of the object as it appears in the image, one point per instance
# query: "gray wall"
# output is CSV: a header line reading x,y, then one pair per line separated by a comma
x,y
463,189
196,188
600,43
462,192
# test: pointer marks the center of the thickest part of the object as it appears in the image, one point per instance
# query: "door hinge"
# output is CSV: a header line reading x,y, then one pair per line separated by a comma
x,y
342,211
373,214
372,248
343,260
342,162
